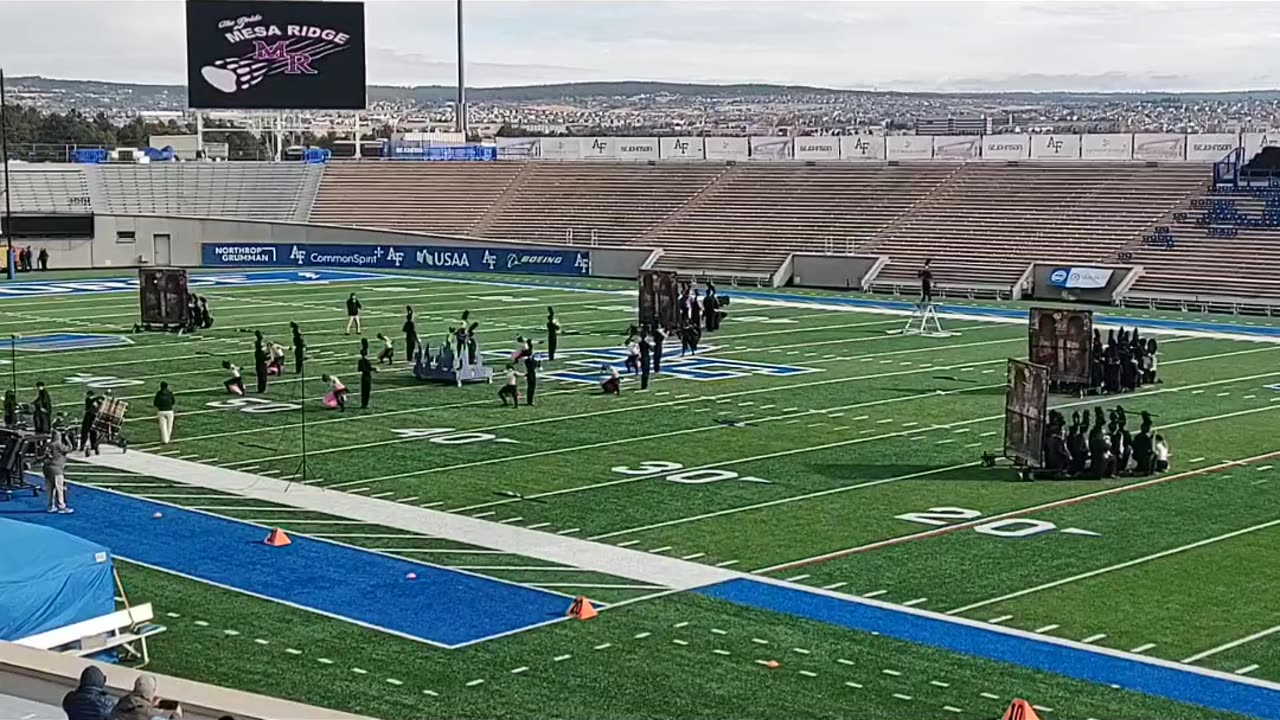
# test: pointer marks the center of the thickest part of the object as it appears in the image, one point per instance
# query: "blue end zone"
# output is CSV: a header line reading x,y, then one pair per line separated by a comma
x,y
69,341
442,606
1217,693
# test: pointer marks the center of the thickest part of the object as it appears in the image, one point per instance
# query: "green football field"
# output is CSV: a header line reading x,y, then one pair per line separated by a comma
x,y
843,457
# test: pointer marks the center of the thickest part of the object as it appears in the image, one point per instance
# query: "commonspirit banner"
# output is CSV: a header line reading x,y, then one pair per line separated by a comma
x,y
523,261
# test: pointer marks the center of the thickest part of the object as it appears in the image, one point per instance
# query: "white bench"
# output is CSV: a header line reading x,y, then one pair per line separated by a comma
x,y
126,630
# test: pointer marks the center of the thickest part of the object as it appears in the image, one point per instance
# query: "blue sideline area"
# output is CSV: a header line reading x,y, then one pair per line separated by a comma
x,y
54,342
443,607
1166,682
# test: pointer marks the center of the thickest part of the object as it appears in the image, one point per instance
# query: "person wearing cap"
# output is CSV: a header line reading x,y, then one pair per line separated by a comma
x,y
90,700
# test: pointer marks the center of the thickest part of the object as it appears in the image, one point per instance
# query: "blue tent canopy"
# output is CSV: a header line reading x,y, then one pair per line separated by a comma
x,y
50,579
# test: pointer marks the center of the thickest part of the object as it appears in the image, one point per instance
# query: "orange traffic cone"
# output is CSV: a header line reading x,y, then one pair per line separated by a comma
x,y
277,538
1020,709
581,609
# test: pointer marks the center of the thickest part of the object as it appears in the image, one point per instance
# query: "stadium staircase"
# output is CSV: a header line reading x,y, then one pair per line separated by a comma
x,y
583,203
447,198
765,211
989,222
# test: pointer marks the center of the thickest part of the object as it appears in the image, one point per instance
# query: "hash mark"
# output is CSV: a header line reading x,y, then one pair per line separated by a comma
x,y
475,682
602,646
560,658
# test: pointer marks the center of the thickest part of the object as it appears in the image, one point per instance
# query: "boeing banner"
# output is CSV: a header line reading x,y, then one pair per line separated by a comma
x,y
1080,278
275,55
523,261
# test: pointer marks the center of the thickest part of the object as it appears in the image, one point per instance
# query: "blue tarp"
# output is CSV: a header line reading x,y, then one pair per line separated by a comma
x,y
50,579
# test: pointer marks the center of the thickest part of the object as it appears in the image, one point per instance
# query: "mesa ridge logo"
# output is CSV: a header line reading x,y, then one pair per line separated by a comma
x,y
275,54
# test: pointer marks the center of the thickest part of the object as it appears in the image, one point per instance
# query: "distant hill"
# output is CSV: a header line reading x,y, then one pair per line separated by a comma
x,y
174,96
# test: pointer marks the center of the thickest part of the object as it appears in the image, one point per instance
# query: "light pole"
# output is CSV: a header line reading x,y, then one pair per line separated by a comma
x,y
461,108
4,153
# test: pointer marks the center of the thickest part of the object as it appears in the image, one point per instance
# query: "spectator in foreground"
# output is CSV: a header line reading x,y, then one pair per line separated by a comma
x,y
1162,454
89,701
141,704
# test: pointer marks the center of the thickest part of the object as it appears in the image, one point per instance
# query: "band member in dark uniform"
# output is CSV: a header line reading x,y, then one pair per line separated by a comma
x,y
42,416
531,364
260,361
926,283
658,337
410,334
460,344
299,347
10,409
366,370
646,360
472,348
553,333
695,310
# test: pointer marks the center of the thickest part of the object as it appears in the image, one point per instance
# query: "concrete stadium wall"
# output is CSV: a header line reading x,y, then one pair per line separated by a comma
x,y
843,272
45,677
127,241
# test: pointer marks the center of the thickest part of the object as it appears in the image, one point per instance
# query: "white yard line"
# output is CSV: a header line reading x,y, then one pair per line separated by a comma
x,y
1233,644
1117,566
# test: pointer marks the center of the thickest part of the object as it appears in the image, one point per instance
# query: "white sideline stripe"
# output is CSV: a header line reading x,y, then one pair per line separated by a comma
x,y
1233,644
1093,638
656,570
1117,566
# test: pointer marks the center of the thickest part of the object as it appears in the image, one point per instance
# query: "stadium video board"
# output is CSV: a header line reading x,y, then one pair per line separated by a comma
x,y
275,55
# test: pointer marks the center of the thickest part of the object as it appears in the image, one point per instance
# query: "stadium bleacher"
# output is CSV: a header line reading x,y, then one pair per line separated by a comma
x,y
990,221
245,190
47,188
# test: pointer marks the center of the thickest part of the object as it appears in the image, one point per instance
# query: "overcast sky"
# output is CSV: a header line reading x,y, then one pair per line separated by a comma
x,y
899,45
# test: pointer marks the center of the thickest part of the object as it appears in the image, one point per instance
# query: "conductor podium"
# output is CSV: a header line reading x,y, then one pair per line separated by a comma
x,y
447,367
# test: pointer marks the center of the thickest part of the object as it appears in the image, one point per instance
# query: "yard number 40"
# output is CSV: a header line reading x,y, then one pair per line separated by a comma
x,y
1006,528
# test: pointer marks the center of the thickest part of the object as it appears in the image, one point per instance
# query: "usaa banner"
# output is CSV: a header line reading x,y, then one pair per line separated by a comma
x,y
522,261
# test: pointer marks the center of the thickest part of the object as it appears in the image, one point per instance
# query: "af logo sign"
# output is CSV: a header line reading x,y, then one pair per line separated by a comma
x,y
584,366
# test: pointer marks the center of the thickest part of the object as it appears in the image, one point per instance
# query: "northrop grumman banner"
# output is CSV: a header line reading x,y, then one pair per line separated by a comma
x,y
275,54
399,257
1080,278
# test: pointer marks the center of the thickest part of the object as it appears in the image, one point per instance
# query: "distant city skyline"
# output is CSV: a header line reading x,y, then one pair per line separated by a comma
x,y
901,45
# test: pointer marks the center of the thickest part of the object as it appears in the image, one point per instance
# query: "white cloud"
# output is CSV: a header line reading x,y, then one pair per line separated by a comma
x,y
920,45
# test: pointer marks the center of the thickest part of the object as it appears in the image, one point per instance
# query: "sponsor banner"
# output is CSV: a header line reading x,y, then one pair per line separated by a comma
x,y
1006,147
727,148
1080,278
399,257
1254,142
862,147
275,55
1211,147
518,148
1107,147
682,148
598,148
770,148
1055,147
560,148
636,149
1160,147
957,147
908,147
817,148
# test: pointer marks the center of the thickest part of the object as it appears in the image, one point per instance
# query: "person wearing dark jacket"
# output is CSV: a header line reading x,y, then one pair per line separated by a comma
x,y
353,313
553,333
10,409
531,364
299,347
658,337
42,415
410,334
44,259
260,360
164,403
646,360
89,701
141,703
366,370
89,435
